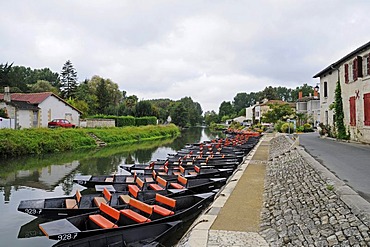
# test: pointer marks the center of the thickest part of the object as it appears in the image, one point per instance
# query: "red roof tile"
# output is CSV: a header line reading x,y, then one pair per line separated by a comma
x,y
32,98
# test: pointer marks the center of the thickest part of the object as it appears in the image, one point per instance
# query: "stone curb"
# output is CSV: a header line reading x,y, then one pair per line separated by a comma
x,y
351,198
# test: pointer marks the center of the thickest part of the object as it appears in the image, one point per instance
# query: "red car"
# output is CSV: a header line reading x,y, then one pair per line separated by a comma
x,y
64,123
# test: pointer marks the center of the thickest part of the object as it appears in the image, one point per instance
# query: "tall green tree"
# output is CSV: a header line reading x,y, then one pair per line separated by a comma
x,y
179,115
130,104
269,93
144,108
68,80
305,89
211,117
240,102
43,86
103,96
4,74
339,114
226,109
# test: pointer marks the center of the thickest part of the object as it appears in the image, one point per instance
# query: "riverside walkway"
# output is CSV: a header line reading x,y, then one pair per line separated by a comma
x,y
281,196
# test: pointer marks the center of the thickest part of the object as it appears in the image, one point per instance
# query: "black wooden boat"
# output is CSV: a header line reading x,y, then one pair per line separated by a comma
x,y
199,185
148,235
109,220
61,207
149,175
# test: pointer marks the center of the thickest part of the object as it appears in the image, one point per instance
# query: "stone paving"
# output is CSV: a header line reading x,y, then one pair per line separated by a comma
x,y
301,207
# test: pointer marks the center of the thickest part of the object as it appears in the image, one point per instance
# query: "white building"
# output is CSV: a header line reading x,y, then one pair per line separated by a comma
x,y
353,73
32,110
309,105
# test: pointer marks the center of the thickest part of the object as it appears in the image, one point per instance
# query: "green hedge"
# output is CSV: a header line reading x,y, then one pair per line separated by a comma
x,y
122,121
140,121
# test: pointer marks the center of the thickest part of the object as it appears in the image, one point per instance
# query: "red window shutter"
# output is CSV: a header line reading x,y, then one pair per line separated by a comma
x,y
346,79
367,109
359,66
368,64
352,111
354,69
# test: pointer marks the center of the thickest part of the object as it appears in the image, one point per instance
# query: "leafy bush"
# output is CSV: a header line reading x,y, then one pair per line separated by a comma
x,y
287,127
278,125
307,127
300,129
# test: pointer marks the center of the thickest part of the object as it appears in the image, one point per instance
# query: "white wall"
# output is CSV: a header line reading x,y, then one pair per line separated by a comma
x,y
325,102
52,108
24,119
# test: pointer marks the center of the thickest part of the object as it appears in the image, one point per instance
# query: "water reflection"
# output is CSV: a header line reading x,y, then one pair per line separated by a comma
x,y
52,176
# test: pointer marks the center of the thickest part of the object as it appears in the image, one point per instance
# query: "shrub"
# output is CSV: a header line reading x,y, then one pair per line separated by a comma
x,y
278,125
300,129
287,127
307,127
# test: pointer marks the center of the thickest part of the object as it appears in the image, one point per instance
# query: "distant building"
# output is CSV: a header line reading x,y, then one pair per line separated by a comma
x,y
309,105
353,73
33,110
262,108
249,113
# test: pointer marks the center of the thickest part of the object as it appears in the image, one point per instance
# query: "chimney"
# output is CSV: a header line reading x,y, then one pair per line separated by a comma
x,y
300,95
7,97
315,93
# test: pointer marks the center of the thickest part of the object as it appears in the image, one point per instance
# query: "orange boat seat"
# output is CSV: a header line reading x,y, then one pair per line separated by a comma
x,y
74,203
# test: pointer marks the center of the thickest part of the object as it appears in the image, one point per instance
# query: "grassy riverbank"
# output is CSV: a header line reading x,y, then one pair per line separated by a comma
x,y
39,141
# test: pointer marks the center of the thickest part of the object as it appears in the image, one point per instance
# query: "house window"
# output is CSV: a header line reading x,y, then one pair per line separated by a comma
x,y
325,89
367,109
326,117
346,77
352,111
354,69
367,65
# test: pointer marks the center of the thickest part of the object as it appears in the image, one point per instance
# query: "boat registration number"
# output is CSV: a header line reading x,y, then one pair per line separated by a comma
x,y
33,211
67,236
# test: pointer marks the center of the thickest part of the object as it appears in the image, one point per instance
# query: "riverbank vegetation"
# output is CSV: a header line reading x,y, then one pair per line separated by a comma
x,y
42,140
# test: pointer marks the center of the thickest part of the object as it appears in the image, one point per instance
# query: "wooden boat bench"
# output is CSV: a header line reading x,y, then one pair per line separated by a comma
x,y
135,216
110,179
196,171
107,196
74,203
134,189
151,179
160,185
181,183
180,172
131,180
165,171
102,221
166,201
125,198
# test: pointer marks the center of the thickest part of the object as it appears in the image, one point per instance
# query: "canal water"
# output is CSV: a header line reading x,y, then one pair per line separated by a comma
x,y
52,176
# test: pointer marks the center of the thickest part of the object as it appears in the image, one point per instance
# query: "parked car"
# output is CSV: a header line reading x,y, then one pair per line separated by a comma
x,y
64,123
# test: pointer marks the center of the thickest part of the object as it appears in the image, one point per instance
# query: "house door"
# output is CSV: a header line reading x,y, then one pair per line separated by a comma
x,y
35,122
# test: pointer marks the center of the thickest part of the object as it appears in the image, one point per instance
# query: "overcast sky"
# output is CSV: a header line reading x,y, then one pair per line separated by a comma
x,y
208,50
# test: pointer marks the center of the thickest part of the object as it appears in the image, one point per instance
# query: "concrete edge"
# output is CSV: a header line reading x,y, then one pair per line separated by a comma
x,y
358,205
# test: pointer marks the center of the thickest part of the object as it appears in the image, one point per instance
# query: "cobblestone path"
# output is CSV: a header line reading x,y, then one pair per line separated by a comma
x,y
301,208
